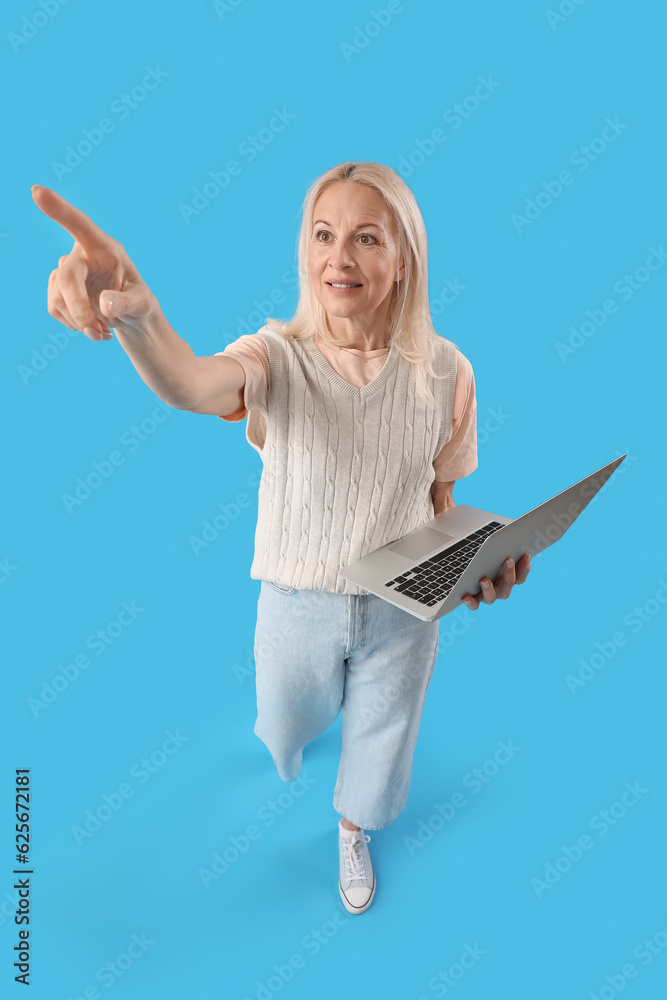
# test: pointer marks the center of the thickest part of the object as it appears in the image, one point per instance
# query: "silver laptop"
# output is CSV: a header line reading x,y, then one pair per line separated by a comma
x,y
427,571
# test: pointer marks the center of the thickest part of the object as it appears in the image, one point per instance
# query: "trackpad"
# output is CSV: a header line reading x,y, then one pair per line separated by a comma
x,y
420,544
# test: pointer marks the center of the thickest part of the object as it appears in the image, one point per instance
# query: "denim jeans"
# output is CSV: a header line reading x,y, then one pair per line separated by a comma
x,y
317,652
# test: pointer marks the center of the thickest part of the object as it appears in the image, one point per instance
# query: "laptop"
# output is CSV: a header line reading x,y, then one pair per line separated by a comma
x,y
427,571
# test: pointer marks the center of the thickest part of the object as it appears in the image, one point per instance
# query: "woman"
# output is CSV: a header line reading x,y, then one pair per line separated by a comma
x,y
364,417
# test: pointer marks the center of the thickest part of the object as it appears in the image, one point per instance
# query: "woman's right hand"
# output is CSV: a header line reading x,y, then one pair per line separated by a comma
x,y
96,285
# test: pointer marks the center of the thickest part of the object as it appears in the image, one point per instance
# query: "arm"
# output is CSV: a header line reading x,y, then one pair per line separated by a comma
x,y
441,494
461,450
97,285
169,367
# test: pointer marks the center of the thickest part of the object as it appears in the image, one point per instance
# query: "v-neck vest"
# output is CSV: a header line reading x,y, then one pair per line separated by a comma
x,y
346,469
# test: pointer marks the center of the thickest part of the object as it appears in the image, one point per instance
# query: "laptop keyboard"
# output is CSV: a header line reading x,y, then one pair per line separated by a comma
x,y
429,582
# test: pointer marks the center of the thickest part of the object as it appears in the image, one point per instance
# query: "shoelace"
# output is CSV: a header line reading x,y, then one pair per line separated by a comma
x,y
355,865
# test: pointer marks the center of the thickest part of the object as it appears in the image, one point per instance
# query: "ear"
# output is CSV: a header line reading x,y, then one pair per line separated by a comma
x,y
401,271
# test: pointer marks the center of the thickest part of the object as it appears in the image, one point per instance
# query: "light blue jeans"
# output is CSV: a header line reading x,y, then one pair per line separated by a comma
x,y
317,652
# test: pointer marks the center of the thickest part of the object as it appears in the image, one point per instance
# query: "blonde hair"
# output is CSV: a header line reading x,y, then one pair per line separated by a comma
x,y
409,317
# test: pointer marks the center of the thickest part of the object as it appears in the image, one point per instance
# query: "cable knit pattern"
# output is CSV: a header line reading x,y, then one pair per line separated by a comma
x,y
345,469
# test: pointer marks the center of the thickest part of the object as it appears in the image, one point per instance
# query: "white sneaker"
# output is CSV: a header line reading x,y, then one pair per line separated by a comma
x,y
356,881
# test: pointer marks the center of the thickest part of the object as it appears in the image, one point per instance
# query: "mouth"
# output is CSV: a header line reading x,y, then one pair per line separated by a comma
x,y
343,286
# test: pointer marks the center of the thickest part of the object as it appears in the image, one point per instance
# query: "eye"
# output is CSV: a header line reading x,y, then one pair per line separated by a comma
x,y
324,232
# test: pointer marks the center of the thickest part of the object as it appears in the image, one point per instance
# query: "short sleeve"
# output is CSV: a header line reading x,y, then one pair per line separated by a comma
x,y
250,351
458,457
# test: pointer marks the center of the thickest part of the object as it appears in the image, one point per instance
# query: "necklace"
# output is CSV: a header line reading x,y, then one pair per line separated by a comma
x,y
363,360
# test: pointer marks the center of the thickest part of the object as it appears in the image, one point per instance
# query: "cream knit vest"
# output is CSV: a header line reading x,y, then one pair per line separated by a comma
x,y
345,469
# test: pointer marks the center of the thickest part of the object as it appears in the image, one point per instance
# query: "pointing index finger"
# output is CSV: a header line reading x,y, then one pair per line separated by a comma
x,y
76,222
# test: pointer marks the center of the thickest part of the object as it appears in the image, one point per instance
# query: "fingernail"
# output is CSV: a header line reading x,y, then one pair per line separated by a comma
x,y
90,331
508,563
485,583
468,602
112,303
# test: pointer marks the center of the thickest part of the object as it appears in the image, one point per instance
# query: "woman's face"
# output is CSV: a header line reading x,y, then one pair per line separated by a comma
x,y
353,242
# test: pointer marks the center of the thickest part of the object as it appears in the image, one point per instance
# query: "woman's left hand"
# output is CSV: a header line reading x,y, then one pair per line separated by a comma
x,y
501,587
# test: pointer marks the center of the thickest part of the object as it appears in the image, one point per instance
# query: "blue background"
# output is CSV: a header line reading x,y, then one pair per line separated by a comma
x,y
359,85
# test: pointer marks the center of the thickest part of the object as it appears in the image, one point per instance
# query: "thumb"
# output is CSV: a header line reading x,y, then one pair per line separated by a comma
x,y
132,303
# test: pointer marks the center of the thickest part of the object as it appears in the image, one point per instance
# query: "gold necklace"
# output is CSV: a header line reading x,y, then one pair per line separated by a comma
x,y
363,360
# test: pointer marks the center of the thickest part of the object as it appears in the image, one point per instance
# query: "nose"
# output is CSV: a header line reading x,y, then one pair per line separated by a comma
x,y
340,256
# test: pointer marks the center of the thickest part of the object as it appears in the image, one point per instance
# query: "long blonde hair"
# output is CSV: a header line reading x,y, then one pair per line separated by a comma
x,y
409,317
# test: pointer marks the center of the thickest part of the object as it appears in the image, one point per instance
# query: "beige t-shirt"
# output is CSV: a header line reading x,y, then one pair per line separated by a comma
x,y
456,459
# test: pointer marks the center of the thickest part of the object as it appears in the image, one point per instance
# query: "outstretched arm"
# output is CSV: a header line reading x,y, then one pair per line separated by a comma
x,y
96,286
